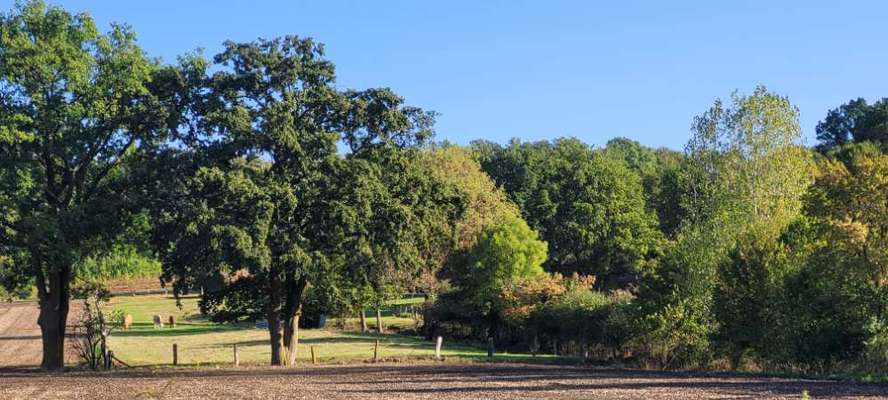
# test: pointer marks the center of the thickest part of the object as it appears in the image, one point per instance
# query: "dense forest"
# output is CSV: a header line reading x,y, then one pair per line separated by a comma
x,y
250,177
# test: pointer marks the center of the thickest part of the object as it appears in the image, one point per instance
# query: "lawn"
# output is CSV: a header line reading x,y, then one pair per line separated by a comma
x,y
201,342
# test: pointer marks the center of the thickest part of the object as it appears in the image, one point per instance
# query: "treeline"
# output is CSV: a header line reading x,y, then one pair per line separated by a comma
x,y
745,250
252,178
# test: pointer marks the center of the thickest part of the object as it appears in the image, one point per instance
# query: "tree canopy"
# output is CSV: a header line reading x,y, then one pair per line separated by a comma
x,y
75,106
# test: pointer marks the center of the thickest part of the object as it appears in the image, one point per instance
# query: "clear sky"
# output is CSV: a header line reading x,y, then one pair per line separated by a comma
x,y
544,69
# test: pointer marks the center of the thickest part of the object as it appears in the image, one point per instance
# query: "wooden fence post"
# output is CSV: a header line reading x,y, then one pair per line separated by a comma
x,y
313,359
175,354
236,356
376,351
490,348
438,344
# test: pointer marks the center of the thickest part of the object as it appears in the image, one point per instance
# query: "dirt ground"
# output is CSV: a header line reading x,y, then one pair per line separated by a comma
x,y
417,381
20,352
20,336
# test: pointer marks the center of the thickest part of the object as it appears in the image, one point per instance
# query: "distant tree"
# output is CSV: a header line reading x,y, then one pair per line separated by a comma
x,y
589,208
507,252
75,106
854,121
850,198
834,297
658,169
484,203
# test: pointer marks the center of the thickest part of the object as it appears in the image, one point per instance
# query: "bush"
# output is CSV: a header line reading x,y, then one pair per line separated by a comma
x,y
876,346
94,327
564,315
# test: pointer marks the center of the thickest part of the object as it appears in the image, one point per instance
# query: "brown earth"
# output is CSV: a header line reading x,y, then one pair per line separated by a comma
x,y
20,346
417,381
20,336
131,286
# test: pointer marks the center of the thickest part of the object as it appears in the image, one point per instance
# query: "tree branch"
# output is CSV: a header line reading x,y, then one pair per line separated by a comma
x,y
104,172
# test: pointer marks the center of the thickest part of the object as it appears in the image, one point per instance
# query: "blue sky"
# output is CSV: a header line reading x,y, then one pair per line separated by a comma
x,y
544,69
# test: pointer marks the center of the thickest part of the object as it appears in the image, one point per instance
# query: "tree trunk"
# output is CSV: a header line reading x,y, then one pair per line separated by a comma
x,y
292,312
54,299
363,321
379,327
274,331
293,345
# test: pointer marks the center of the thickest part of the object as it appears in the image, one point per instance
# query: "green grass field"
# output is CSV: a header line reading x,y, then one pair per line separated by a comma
x,y
201,342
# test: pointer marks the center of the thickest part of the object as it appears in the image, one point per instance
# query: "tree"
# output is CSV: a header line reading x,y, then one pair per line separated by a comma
x,y
484,203
589,208
506,252
833,298
744,176
746,163
265,201
850,199
854,121
75,105
748,296
402,231
658,169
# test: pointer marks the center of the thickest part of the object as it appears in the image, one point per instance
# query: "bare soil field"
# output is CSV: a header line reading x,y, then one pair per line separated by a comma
x,y
20,352
20,336
417,381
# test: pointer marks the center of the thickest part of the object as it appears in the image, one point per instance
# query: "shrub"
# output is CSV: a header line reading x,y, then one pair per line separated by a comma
x,y
92,331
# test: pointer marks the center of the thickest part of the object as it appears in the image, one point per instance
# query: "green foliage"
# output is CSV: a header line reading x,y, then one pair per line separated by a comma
x,y
673,313
743,182
748,296
485,204
658,169
76,108
589,207
876,345
745,163
579,315
506,252
854,121
121,262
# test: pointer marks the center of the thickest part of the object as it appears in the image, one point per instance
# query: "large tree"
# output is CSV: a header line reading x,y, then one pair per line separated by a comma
x,y
268,201
75,105
744,175
745,163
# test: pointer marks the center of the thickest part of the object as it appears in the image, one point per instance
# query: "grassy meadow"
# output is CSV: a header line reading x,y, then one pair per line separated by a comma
x,y
201,342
